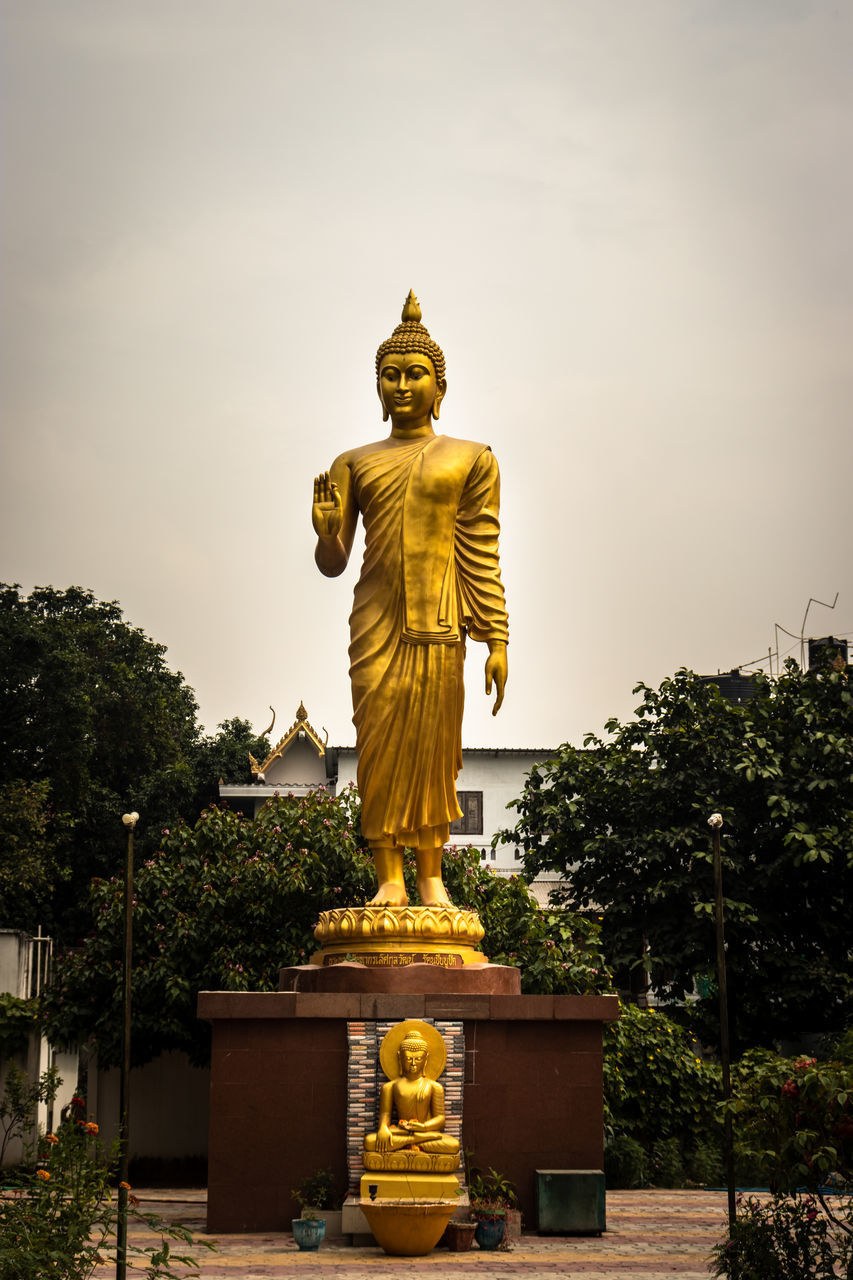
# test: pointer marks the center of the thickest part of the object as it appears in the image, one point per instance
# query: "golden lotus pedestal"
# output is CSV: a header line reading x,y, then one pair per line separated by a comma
x,y
396,937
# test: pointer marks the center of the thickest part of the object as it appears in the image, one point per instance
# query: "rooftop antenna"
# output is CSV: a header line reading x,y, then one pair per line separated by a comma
x,y
803,627
802,636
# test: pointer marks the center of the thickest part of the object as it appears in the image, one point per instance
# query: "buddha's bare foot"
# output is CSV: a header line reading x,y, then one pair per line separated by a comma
x,y
390,895
433,892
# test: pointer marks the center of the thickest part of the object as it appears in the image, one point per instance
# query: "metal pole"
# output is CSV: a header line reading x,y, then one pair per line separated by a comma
x,y
130,820
715,822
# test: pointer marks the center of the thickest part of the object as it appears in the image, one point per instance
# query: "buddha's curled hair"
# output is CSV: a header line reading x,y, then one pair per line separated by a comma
x,y
410,335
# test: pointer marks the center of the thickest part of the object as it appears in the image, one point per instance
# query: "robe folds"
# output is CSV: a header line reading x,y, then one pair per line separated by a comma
x,y
430,577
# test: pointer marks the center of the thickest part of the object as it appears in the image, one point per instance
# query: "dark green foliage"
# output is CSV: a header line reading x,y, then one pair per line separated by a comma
x,y
490,1192
33,853
92,715
92,724
780,1239
17,1016
223,756
626,1163
625,822
557,951
660,1101
317,1191
19,1103
793,1127
793,1119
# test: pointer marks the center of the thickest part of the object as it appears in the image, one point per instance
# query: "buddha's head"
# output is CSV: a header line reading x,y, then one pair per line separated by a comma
x,y
413,1053
410,371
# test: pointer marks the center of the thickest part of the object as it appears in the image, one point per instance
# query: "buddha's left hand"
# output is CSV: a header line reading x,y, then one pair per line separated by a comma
x,y
496,669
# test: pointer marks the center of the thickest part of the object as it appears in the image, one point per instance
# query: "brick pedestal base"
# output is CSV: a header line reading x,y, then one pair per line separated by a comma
x,y
532,1095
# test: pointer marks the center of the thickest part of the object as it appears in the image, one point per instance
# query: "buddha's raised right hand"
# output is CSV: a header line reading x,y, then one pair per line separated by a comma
x,y
328,509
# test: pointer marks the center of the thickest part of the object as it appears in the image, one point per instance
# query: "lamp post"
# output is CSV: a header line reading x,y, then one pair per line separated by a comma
x,y
715,822
130,820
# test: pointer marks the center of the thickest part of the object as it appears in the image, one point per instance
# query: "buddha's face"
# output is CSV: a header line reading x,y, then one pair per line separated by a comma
x,y
409,390
412,1061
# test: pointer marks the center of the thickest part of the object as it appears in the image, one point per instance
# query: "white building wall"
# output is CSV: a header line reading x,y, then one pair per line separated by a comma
x,y
24,964
15,961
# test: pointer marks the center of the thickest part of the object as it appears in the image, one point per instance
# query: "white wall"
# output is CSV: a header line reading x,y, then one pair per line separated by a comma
x,y
15,957
300,764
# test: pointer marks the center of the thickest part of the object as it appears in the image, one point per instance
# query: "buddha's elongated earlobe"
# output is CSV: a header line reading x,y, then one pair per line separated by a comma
x,y
439,396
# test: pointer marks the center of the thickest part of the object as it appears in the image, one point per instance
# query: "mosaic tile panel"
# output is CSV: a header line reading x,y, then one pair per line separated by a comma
x,y
365,1078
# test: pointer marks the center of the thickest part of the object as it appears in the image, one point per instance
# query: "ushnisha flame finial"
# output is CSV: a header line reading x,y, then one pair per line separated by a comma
x,y
411,309
410,335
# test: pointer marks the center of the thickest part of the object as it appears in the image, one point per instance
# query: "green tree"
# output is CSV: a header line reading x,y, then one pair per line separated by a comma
x,y
223,756
225,904
89,707
31,859
623,820
92,724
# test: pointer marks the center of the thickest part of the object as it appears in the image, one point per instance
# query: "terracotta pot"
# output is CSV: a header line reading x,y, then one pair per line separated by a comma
x,y
459,1236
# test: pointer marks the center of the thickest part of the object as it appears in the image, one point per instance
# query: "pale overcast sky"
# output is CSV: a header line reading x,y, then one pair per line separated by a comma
x,y
628,224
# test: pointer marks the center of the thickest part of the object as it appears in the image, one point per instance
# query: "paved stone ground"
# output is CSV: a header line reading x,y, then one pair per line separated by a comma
x,y
651,1235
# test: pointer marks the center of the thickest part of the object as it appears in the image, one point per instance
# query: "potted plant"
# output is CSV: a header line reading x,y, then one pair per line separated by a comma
x,y
493,1198
313,1194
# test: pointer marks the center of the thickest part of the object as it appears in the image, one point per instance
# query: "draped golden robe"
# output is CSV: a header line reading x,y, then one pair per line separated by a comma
x,y
430,577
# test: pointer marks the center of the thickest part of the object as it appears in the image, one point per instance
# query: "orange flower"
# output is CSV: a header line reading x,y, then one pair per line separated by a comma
x,y
50,1137
125,1186
91,1127
43,1174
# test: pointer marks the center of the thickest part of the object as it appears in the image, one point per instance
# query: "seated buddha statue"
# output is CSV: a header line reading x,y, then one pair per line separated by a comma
x,y
417,1101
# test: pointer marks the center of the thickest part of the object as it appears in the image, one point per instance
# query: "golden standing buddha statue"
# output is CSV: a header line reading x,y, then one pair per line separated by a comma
x,y
430,580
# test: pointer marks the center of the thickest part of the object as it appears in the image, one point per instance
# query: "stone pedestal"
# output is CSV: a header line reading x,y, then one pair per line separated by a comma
x,y
278,1102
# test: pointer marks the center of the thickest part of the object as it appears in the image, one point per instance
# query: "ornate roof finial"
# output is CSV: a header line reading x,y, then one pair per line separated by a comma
x,y
301,713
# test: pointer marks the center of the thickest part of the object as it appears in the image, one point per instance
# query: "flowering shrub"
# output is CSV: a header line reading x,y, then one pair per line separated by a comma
x,y
781,1239
659,1101
20,1100
793,1118
61,1218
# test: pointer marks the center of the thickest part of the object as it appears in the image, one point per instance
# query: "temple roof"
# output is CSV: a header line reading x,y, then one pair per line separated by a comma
x,y
301,727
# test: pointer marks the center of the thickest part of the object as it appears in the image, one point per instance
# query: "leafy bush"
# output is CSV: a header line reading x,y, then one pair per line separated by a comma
x,y
781,1239
21,1097
17,1015
316,1191
705,1163
793,1118
657,1092
626,1162
62,1216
